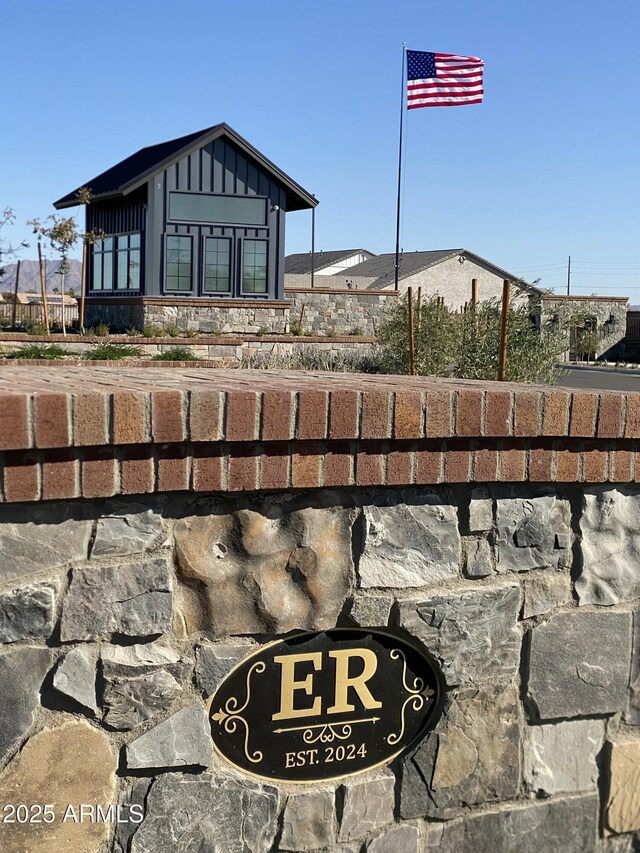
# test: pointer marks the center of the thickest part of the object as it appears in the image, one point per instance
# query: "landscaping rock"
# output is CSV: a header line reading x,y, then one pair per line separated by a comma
x,y
579,664
368,806
308,821
132,532
471,631
610,546
268,569
134,600
207,813
182,740
410,544
532,532
561,757
632,714
76,677
64,767
28,612
22,671
472,757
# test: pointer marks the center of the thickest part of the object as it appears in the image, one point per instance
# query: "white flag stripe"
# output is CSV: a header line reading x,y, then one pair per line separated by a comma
x,y
447,90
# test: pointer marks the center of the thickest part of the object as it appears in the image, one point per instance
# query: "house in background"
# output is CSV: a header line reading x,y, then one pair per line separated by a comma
x,y
442,272
189,223
297,268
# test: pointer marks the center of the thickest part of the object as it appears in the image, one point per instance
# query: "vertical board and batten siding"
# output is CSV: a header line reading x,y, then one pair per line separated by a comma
x,y
123,216
218,167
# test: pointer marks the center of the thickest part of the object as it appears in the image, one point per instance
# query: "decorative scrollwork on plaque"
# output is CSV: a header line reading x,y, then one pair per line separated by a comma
x,y
230,715
418,695
327,734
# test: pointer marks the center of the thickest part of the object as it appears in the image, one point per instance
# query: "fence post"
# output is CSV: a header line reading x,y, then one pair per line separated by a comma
x,y
412,355
15,297
504,329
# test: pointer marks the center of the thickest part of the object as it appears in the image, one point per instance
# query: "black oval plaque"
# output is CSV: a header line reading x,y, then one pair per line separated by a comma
x,y
325,705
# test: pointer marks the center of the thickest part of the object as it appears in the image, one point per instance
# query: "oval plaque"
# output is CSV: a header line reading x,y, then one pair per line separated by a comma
x,y
325,705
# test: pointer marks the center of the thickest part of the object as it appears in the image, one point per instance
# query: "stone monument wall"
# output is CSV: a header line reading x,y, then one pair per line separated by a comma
x,y
156,529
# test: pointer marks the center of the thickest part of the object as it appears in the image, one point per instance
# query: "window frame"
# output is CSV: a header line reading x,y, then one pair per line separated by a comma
x,y
263,294
231,224
115,253
232,267
166,288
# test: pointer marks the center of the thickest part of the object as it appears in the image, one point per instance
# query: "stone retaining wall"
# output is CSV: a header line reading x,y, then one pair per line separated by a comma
x,y
155,529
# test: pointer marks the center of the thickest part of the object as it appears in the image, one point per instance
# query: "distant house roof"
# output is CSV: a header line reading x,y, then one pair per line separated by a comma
x,y
133,171
382,267
301,263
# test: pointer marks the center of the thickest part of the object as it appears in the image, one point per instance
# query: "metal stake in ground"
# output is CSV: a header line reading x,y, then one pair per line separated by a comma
x,y
43,288
504,329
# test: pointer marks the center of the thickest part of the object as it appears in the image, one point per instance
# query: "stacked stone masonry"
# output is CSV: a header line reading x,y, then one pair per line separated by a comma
x,y
121,612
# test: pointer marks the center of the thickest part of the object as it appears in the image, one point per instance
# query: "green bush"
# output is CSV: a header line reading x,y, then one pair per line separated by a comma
x,y
112,352
49,352
172,331
466,346
176,354
192,333
151,331
35,328
101,330
133,332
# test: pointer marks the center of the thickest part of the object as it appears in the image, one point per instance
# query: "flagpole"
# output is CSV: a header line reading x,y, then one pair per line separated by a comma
x,y
402,96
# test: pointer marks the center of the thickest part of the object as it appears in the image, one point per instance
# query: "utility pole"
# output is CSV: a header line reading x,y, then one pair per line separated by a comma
x,y
569,277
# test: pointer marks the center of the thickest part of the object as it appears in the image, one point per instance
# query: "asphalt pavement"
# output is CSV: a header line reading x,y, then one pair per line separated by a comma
x,y
605,378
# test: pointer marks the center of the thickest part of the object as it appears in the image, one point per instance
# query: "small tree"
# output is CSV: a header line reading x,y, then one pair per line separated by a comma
x,y
8,217
466,345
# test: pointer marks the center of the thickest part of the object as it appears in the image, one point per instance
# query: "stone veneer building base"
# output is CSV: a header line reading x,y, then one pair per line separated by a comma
x,y
496,524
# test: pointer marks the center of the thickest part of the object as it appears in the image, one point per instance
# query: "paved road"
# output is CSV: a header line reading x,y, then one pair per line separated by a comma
x,y
605,378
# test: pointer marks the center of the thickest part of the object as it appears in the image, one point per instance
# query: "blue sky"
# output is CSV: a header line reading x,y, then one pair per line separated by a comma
x,y
546,167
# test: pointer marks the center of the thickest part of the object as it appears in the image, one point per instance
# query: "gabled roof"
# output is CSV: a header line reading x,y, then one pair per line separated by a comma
x,y
301,263
382,267
134,171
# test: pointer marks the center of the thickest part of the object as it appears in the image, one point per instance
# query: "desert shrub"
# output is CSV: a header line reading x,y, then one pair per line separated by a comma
x,y
466,346
100,330
312,358
112,352
133,332
35,328
50,352
151,331
176,354
172,331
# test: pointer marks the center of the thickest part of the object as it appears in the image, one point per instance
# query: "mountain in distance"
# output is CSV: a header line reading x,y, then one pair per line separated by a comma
x,y
30,276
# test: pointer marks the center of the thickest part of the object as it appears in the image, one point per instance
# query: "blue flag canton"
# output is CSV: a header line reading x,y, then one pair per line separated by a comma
x,y
420,64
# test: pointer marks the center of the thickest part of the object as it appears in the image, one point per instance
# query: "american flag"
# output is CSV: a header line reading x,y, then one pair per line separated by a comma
x,y
442,79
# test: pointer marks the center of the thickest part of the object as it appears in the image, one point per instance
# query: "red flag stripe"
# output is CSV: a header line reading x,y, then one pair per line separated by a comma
x,y
455,103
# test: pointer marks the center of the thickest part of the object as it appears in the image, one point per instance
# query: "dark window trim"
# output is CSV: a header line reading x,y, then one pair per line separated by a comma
x,y
265,198
263,294
166,289
224,294
114,266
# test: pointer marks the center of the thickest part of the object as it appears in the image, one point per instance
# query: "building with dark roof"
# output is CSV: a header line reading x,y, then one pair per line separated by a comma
x,y
325,263
200,218
442,272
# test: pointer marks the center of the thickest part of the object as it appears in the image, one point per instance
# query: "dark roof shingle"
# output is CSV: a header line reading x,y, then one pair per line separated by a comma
x,y
301,263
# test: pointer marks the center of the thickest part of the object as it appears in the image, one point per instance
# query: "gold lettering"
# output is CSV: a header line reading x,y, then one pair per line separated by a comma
x,y
288,686
344,682
290,759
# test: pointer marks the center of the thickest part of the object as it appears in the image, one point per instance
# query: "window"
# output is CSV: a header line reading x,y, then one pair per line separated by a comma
x,y
178,263
128,262
102,278
119,257
223,209
217,265
254,266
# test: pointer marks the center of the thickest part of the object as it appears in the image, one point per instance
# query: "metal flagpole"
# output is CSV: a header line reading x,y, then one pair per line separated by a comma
x,y
402,96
